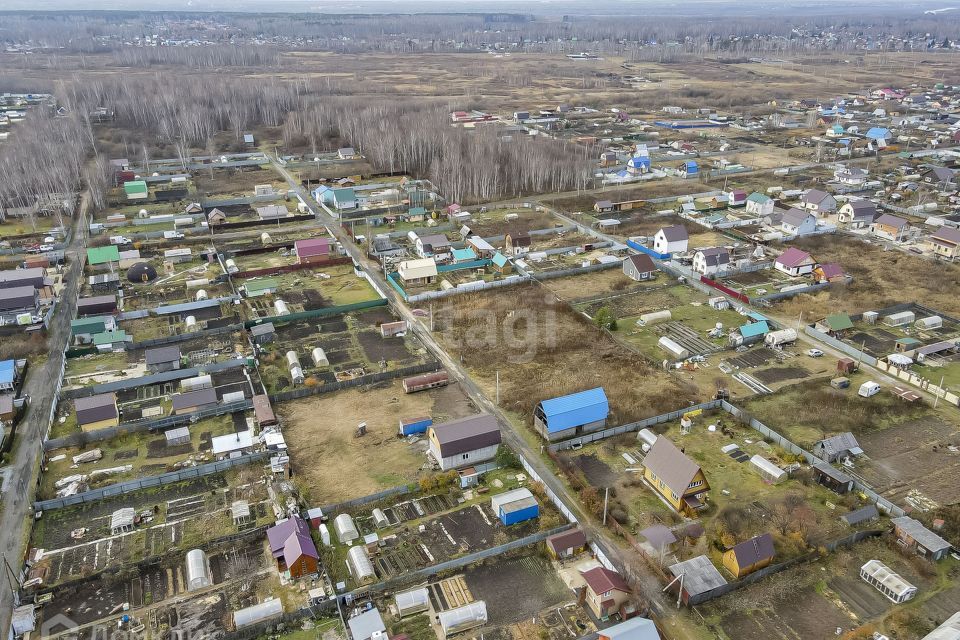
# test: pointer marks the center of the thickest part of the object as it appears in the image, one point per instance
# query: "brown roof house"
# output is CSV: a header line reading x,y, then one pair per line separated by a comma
x,y
97,412
566,544
464,442
639,267
679,480
749,556
607,593
946,243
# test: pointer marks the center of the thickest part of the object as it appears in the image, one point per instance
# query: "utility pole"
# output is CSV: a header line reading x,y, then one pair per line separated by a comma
x,y
498,387
606,495
936,399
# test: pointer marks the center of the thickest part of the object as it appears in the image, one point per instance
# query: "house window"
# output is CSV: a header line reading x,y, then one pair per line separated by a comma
x,y
466,455
674,496
694,485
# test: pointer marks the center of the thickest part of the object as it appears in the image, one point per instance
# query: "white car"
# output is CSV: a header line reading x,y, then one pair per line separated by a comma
x,y
814,353
46,247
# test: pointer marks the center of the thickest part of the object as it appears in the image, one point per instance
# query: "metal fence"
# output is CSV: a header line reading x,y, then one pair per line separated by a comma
x,y
183,337
305,392
99,435
140,484
373,497
318,313
850,350
156,378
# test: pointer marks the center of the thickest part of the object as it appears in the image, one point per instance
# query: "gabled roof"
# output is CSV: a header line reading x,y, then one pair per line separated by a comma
x,y
670,464
297,545
466,434
795,217
601,580
862,514
815,196
633,629
567,540
752,329
838,322
464,254
794,257
499,259
863,209
754,550
642,263
715,255
759,198
675,233
889,220
96,408
312,247
831,270
926,538
277,535
839,443
198,398
435,240
699,575
946,235
659,536
575,409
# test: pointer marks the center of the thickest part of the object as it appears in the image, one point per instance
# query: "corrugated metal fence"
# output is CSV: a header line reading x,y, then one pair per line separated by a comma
x,y
140,484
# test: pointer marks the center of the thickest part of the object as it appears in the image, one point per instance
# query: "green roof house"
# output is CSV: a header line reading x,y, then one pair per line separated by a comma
x,y
110,340
97,256
88,326
838,322
136,190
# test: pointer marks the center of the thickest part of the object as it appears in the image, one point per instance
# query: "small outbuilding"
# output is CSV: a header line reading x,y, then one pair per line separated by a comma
x,y
515,506
566,544
572,415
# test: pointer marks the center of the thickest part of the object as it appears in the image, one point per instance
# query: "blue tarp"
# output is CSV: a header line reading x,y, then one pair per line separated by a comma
x,y
575,409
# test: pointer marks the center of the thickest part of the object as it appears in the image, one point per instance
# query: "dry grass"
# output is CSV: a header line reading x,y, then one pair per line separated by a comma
x,y
334,465
880,278
549,350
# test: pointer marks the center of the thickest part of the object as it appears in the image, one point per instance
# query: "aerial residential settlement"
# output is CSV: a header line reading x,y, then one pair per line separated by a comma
x,y
480,325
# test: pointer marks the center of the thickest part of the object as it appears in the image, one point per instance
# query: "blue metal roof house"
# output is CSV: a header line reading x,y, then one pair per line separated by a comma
x,y
8,375
572,415
878,133
689,168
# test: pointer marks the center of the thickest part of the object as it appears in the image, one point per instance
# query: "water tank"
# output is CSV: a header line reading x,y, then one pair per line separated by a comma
x,y
190,322
201,295
281,307
777,338
293,359
198,570
232,266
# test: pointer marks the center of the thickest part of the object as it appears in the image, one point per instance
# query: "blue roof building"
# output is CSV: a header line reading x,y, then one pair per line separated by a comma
x,y
463,255
500,262
572,415
8,375
690,168
754,331
878,133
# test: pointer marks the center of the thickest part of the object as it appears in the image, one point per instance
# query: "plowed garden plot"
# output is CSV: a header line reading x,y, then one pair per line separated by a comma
x,y
598,472
533,586
377,348
781,374
913,455
753,358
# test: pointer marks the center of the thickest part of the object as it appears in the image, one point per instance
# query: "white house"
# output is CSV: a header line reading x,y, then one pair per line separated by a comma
x,y
857,214
759,204
797,222
435,245
671,239
710,260
850,176
819,202
795,262
423,271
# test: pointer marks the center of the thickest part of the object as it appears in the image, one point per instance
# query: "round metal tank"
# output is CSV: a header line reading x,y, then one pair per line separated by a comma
x,y
198,570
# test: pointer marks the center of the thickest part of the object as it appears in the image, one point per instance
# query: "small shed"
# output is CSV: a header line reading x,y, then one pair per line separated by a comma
x,y
832,478
413,601
263,333
699,579
566,544
846,366
412,426
861,515
515,506
345,529
177,436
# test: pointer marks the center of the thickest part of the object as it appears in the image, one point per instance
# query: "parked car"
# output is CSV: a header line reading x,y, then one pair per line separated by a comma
x,y
814,353
46,247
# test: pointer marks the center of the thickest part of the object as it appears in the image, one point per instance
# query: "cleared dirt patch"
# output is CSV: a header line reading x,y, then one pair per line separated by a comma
x,y
780,374
534,586
321,430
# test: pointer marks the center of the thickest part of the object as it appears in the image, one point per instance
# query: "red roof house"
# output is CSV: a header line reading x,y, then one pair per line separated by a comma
x,y
312,250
